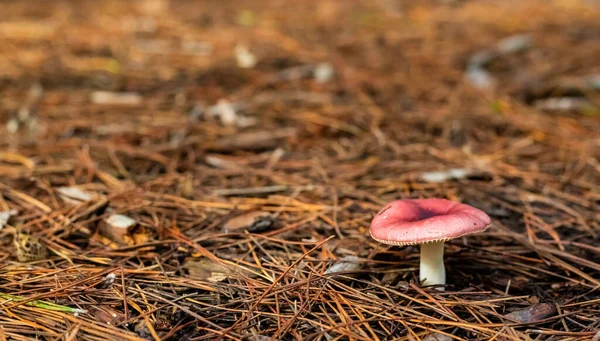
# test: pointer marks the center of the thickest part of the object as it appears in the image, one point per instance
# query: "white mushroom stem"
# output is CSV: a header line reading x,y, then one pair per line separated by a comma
x,y
432,270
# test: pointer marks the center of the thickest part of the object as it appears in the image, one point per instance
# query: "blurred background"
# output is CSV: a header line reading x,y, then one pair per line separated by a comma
x,y
338,68
186,115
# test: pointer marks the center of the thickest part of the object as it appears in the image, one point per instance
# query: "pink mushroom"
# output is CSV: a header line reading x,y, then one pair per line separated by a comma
x,y
428,222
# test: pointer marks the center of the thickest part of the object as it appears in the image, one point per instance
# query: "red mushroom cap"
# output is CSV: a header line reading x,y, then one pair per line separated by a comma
x,y
417,221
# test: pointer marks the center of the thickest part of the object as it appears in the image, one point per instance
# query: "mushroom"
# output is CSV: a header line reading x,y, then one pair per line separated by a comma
x,y
428,222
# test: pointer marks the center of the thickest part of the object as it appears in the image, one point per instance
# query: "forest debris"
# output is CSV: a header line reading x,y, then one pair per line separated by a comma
x,y
116,98
33,96
294,73
143,330
345,264
228,115
569,87
596,336
479,77
563,104
152,7
389,277
107,281
258,139
247,18
535,313
157,46
275,157
476,71
245,59
206,269
396,98
252,190
10,157
437,337
29,247
92,64
140,235
107,315
507,45
40,304
28,30
198,110
111,128
116,227
24,116
163,322
258,338
594,82
73,195
12,126
219,162
185,186
450,174
197,48
257,221
5,216
513,44
225,111
323,72
186,47
267,97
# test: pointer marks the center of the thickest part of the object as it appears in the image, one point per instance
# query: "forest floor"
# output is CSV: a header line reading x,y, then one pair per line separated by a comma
x,y
208,170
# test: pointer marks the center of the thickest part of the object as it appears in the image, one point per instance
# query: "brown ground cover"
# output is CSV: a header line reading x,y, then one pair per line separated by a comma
x,y
199,170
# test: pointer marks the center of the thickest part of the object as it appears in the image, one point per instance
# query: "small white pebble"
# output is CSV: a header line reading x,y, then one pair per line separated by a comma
x,y
245,58
12,126
226,112
479,77
323,73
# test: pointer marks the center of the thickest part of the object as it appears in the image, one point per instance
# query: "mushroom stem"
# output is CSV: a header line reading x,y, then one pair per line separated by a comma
x,y
432,271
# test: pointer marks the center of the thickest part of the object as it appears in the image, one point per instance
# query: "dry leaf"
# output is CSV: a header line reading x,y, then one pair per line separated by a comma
x,y
17,158
29,248
107,315
245,58
73,195
389,277
116,98
534,313
253,140
140,236
441,176
107,282
116,228
211,271
229,116
346,264
207,269
5,216
256,221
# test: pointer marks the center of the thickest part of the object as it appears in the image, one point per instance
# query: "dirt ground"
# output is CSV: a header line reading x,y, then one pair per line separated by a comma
x,y
208,170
